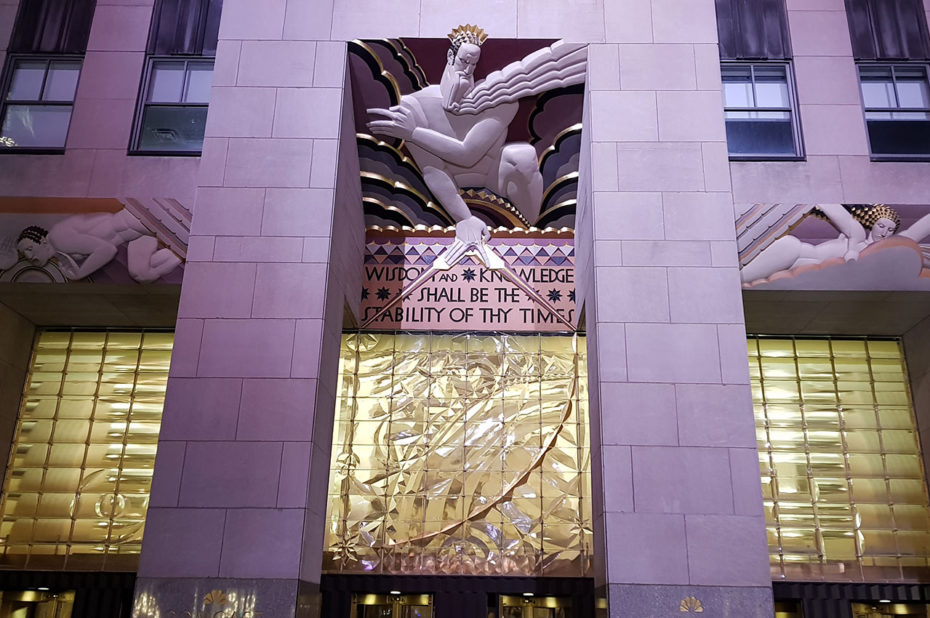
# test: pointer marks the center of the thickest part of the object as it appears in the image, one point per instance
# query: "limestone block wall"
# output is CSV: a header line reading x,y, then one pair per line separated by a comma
x,y
675,478
95,163
837,166
274,266
673,443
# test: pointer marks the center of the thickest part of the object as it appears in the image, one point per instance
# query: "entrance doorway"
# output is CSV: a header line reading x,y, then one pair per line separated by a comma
x,y
36,604
392,606
525,606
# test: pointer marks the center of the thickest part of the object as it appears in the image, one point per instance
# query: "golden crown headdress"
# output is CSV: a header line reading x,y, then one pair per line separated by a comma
x,y
869,214
467,34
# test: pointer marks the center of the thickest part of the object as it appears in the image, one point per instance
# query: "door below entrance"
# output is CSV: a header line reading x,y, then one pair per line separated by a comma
x,y
451,596
390,605
526,606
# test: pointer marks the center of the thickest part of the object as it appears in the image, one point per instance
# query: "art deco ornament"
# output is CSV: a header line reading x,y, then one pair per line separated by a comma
x,y
767,248
868,215
691,605
467,34
456,131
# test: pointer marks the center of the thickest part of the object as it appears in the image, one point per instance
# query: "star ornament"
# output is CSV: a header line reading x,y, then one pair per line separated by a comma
x,y
555,296
469,274
383,293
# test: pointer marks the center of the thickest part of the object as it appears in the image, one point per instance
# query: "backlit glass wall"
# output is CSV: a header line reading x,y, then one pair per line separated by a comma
x,y
842,478
461,454
77,487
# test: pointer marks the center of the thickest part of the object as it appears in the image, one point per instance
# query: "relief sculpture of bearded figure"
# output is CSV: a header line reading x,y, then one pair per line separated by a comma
x,y
456,131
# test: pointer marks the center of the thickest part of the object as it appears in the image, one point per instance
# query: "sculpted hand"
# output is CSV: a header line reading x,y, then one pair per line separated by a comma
x,y
400,122
851,256
470,233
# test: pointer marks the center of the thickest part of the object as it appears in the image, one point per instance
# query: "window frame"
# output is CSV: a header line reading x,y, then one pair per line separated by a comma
x,y
793,109
142,102
892,65
6,81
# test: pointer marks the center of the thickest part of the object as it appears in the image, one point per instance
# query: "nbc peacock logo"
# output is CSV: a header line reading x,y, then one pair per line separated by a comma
x,y
690,605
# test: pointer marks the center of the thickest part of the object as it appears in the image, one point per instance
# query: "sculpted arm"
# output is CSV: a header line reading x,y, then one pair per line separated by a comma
x,y
466,152
844,222
71,241
847,224
918,231
403,122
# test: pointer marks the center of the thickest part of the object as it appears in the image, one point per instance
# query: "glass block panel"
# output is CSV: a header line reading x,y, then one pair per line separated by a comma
x,y
840,466
77,487
451,450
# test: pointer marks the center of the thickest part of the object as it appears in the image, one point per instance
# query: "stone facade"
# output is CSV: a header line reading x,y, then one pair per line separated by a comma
x,y
273,275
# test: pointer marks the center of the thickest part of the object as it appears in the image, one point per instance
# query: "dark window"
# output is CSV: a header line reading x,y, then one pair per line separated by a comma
x,y
758,106
172,112
753,30
52,26
888,29
38,103
758,95
897,109
188,27
891,45
41,74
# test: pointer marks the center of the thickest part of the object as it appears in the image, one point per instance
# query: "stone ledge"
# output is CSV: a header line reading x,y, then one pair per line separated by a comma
x,y
645,601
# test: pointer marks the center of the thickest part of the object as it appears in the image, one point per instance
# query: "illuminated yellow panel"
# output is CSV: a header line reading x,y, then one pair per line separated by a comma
x,y
77,487
461,454
845,496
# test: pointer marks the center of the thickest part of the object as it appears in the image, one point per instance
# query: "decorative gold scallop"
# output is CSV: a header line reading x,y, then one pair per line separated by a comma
x,y
691,605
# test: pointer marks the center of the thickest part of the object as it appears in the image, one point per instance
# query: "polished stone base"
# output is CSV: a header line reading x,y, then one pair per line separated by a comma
x,y
229,598
643,601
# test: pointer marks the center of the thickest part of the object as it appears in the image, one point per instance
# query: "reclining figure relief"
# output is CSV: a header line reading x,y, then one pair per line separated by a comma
x,y
860,227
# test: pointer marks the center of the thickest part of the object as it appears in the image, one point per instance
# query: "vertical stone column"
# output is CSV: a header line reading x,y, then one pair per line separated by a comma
x,y
105,101
834,132
273,268
678,502
16,333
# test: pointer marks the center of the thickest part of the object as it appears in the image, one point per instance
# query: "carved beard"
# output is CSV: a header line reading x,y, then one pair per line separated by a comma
x,y
454,86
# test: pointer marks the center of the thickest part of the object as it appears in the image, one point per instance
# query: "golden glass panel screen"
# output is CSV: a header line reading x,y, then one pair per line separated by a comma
x,y
842,479
77,484
460,454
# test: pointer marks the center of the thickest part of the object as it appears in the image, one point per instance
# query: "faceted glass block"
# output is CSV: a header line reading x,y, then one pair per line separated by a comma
x,y
472,440
80,474
840,463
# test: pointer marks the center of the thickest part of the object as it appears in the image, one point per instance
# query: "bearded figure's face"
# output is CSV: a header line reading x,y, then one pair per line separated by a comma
x,y
467,58
458,78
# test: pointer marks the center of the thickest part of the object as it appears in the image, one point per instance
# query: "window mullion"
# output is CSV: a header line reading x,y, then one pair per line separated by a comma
x,y
894,88
185,81
48,65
